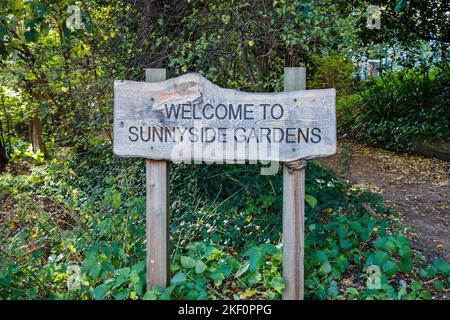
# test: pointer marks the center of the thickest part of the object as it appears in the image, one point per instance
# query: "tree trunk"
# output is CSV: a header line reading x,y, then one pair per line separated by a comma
x,y
36,136
3,155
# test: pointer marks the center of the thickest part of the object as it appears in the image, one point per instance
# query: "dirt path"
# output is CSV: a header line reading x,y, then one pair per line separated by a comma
x,y
417,187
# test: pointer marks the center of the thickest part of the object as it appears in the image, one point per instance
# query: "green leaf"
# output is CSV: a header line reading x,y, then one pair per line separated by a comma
x,y
268,248
256,259
416,285
254,277
406,266
217,276
123,294
311,201
425,295
179,278
95,270
441,266
2,32
124,272
150,295
352,291
242,270
390,268
226,268
389,245
333,289
400,5
100,292
380,258
278,284
187,262
405,252
200,267
345,244
439,285
31,36
321,256
167,293
117,199
325,267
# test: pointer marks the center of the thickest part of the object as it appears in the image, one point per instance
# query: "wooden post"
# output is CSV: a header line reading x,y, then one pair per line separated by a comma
x,y
294,207
157,210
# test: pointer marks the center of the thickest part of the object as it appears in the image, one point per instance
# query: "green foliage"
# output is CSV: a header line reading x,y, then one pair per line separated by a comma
x,y
400,109
332,71
400,22
21,150
225,243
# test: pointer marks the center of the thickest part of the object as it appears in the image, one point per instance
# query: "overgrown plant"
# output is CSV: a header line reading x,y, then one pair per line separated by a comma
x,y
400,109
75,228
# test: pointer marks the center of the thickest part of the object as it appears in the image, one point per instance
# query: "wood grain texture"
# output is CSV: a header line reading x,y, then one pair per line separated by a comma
x,y
294,210
157,211
140,105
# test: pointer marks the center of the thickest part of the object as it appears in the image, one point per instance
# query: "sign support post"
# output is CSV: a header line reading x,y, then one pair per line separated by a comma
x,y
188,118
294,207
157,210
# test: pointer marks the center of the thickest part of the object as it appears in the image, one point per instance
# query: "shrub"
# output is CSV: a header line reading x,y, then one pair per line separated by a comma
x,y
333,71
399,109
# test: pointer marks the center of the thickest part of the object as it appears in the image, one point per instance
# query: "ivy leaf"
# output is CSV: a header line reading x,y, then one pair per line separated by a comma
x,y
390,268
278,284
99,292
254,277
31,36
268,248
167,293
401,4
200,267
256,259
242,270
325,267
441,266
177,279
217,276
380,257
150,295
333,289
123,294
117,199
439,285
2,32
311,201
345,244
187,262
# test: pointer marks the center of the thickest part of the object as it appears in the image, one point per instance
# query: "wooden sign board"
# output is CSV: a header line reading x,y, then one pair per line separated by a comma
x,y
190,118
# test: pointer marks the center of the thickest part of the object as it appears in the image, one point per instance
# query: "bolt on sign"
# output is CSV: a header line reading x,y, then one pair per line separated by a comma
x,y
189,119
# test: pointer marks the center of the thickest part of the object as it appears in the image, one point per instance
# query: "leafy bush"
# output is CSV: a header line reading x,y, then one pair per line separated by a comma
x,y
400,109
332,71
21,150
75,229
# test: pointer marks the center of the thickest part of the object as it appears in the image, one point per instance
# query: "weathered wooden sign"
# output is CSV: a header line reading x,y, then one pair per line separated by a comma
x,y
190,118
